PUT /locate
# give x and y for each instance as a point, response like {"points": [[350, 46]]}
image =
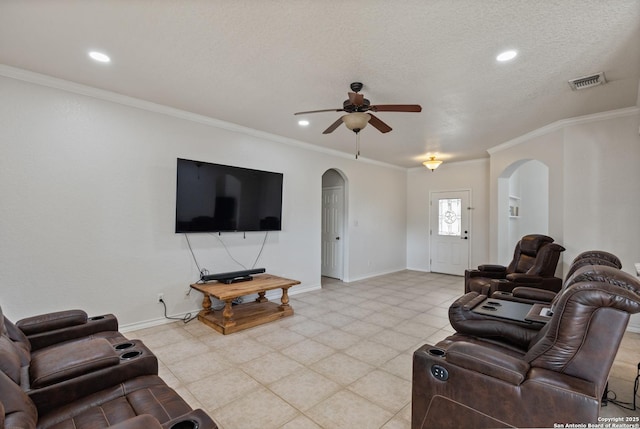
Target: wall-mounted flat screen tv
{"points": [[221, 198]]}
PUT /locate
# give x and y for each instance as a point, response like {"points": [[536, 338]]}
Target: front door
{"points": [[332, 229], [449, 232]]}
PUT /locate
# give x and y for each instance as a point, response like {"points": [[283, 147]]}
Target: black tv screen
{"points": [[222, 198]]}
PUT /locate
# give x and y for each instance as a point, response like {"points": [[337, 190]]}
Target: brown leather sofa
{"points": [[76, 380], [557, 378], [534, 263]]}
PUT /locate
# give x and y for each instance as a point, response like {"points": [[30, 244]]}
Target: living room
{"points": [[89, 177]]}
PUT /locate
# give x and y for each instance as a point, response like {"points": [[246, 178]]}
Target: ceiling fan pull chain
{"points": [[357, 145]]}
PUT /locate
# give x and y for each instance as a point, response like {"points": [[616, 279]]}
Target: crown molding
{"points": [[89, 91], [563, 123]]}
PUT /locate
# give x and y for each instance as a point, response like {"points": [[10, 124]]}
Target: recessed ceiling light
{"points": [[100, 57], [303, 122], [507, 56]]}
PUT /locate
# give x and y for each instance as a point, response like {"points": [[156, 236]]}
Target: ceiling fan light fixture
{"points": [[432, 163], [356, 121]]}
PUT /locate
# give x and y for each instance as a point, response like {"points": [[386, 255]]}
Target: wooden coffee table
{"points": [[243, 316]]}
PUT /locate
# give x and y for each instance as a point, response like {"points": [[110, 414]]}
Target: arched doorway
{"points": [[334, 224], [523, 204]]}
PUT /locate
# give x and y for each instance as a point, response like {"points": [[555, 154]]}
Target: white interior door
{"points": [[332, 230], [449, 231]]}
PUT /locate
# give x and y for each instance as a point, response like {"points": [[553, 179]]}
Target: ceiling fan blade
{"points": [[356, 99], [317, 111], [378, 124], [396, 108], [333, 126]]}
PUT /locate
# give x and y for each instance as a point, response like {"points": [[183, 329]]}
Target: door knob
{"points": [[337, 238]]}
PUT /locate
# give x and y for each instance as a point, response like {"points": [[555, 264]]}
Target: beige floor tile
{"points": [[383, 319], [371, 352], [310, 328], [304, 388], [397, 423], [362, 328], [337, 339], [394, 339], [386, 390], [271, 367], [401, 366], [301, 422], [245, 351], [178, 351], [155, 338], [416, 329], [218, 390], [198, 366], [259, 409], [280, 338], [308, 351], [342, 369], [346, 410]]}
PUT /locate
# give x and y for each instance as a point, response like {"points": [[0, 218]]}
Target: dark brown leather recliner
{"points": [[520, 333], [534, 295], [71, 369], [140, 403], [559, 378], [534, 264], [84, 381]]}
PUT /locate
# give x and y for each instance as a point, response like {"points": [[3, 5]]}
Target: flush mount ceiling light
{"points": [[303, 122], [507, 56], [100, 57], [432, 163]]}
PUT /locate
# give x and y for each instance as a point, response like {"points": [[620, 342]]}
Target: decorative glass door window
{"points": [[449, 216]]}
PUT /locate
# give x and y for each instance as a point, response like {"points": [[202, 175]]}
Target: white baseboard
{"points": [[375, 274]]}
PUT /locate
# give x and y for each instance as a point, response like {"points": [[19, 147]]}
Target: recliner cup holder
{"points": [[130, 355], [185, 424], [123, 346], [436, 352]]}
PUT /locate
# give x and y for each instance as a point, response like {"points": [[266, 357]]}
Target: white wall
{"points": [[594, 183], [546, 148], [473, 175], [87, 185]]}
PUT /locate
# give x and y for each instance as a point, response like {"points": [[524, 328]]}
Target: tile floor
{"points": [[342, 361]]}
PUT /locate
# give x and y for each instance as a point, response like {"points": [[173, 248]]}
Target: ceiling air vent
{"points": [[587, 81]]}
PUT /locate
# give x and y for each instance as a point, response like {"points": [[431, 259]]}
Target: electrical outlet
{"points": [[160, 297]]}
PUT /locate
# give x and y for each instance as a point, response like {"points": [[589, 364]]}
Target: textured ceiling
{"points": [[256, 62]]}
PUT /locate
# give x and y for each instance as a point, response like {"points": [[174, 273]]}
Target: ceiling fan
{"points": [[359, 111]]}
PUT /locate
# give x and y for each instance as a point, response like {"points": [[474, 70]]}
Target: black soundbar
{"points": [[232, 276]]}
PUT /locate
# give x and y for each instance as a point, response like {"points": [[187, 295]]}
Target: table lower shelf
{"points": [[245, 316]]}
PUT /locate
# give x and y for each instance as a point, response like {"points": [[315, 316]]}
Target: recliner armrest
{"points": [[485, 360], [51, 321], [535, 294], [492, 268], [92, 325], [522, 278]]}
